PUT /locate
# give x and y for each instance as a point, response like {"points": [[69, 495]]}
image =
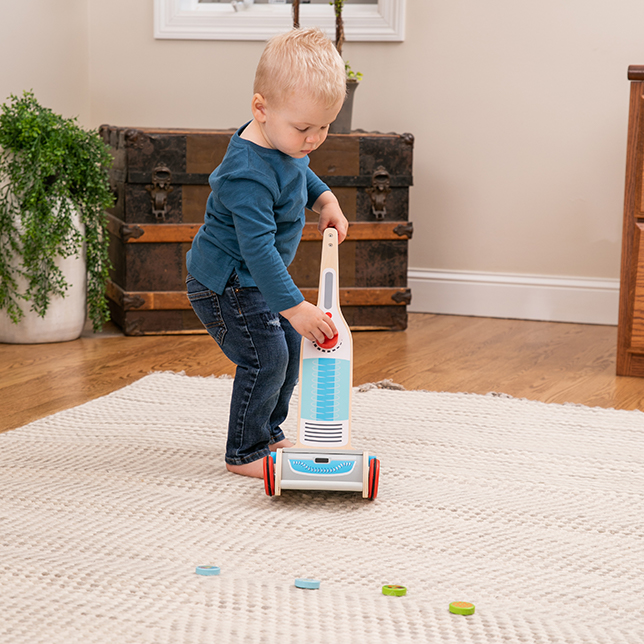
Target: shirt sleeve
{"points": [[251, 206], [315, 187]]}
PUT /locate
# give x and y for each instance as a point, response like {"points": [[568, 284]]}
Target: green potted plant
{"points": [[54, 188], [342, 124]]}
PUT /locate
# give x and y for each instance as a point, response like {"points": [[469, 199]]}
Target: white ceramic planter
{"points": [[65, 317], [342, 124]]}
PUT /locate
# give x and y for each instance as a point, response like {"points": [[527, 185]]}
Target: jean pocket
{"points": [[255, 309], [205, 303]]}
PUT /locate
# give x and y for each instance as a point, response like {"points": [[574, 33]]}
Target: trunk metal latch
{"points": [[159, 191], [380, 188]]}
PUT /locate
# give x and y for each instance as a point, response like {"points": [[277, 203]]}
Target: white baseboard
{"points": [[525, 297]]}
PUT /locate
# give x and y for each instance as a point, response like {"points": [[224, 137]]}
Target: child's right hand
{"points": [[310, 322]]}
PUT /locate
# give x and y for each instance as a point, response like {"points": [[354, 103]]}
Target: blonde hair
{"points": [[303, 61]]}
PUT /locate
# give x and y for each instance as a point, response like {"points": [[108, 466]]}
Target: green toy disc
{"points": [[207, 570], [395, 591], [461, 608]]}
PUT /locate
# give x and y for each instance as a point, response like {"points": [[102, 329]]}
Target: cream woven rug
{"points": [[533, 512]]}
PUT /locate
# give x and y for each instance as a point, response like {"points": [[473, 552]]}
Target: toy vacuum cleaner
{"points": [[323, 458]]}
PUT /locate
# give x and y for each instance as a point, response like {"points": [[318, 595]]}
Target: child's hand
{"points": [[310, 322], [331, 215]]}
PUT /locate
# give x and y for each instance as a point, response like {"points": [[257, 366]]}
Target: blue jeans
{"points": [[266, 349]]}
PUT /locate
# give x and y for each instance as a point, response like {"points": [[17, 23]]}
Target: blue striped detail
{"points": [[326, 388], [311, 467]]}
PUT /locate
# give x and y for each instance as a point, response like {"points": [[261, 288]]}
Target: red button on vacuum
{"points": [[329, 343]]}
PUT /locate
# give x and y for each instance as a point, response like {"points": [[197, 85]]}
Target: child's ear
{"points": [[258, 107]]}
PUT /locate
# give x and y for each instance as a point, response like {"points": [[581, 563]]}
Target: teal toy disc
{"points": [[311, 584], [208, 570]]}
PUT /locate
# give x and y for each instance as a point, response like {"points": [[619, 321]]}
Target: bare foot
{"points": [[281, 444], [256, 469]]}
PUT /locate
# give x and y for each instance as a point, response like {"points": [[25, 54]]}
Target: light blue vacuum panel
{"points": [[322, 469], [326, 389]]}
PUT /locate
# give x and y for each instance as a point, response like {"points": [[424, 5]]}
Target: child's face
{"points": [[295, 127]]}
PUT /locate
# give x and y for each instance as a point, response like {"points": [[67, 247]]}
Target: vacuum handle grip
{"points": [[328, 292]]}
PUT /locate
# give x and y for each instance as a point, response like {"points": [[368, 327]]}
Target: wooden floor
{"points": [[544, 361]]}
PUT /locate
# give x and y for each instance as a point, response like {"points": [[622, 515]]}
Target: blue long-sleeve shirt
{"points": [[254, 220]]}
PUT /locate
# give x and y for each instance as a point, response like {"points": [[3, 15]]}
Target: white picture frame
{"points": [[192, 20]]}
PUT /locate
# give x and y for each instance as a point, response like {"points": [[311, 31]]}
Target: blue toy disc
{"points": [[312, 584], [208, 570]]}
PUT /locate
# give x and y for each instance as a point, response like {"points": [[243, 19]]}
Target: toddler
{"points": [[238, 282]]}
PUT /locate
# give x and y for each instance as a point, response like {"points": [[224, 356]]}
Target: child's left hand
{"points": [[331, 215]]}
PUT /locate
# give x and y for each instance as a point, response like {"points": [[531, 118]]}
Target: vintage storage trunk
{"points": [[160, 178], [630, 328]]}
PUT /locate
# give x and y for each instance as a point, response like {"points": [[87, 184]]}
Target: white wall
{"points": [[44, 47], [519, 110]]}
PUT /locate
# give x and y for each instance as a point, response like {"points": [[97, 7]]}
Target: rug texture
{"points": [[533, 512]]}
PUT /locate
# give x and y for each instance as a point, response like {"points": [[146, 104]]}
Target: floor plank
{"points": [[545, 361]]}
